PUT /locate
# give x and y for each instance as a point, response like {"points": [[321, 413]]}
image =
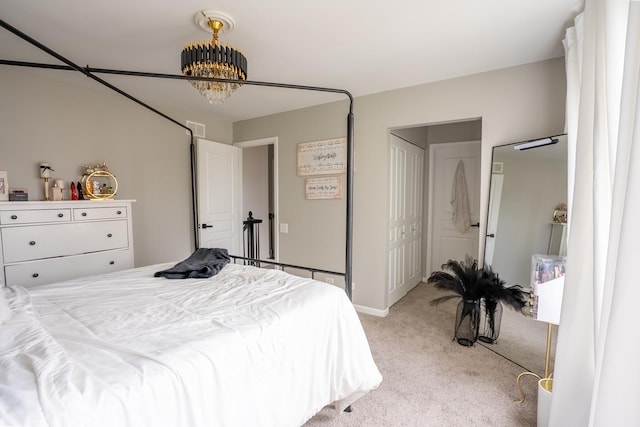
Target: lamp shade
{"points": [[45, 170]]}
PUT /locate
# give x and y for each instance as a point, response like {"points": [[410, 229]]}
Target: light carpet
{"points": [[431, 380]]}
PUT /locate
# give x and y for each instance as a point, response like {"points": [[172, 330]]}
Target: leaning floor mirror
{"points": [[526, 216]]}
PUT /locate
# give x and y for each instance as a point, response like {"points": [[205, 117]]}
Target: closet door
{"points": [[405, 217]]}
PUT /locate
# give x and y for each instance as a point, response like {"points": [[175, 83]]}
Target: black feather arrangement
{"points": [[466, 281]]}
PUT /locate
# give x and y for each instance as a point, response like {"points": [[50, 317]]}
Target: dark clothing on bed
{"points": [[203, 263]]}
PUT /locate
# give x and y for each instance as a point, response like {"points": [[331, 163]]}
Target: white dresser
{"points": [[45, 242]]}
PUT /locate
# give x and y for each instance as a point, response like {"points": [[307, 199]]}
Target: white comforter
{"points": [[248, 347]]}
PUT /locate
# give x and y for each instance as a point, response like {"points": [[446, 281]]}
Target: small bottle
{"points": [[74, 191], [80, 192]]}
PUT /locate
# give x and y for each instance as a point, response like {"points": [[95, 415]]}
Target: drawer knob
{"points": [[34, 275], [84, 214], [109, 235], [60, 215], [32, 243], [111, 262], [119, 212], [14, 216]]}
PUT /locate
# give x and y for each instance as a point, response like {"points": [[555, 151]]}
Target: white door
{"points": [[495, 196], [445, 241], [405, 218], [219, 185]]}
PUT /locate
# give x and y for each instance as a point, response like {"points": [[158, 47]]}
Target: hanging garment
{"points": [[460, 200]]}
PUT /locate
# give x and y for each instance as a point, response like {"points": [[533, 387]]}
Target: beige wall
{"points": [[415, 135], [455, 132], [316, 236], [514, 104], [69, 120]]}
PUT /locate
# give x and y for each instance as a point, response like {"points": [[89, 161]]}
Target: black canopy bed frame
{"points": [[91, 73]]}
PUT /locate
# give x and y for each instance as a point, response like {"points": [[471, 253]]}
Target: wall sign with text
{"points": [[323, 188], [322, 157]]}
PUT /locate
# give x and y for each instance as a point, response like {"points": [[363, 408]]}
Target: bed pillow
{"points": [[5, 310]]}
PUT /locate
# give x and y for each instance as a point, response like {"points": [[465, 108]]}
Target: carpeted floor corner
{"points": [[430, 380]]}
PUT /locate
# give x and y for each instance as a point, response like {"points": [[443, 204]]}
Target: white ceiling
{"points": [[362, 46]]}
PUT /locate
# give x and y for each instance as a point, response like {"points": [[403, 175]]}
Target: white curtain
{"points": [[596, 379]]}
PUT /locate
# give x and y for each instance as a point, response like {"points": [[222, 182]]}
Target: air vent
{"points": [[197, 128], [497, 167]]}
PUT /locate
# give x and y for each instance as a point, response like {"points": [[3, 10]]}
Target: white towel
{"points": [[460, 200]]}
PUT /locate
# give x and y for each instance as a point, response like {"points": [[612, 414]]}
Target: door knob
{"points": [[206, 226], [477, 224]]}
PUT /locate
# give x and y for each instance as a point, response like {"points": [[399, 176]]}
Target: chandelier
{"points": [[210, 59]]}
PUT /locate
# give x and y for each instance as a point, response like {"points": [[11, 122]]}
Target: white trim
{"points": [[371, 311], [430, 190], [257, 142], [272, 140]]}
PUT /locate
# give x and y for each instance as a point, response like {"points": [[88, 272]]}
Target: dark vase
{"points": [[467, 322], [490, 320]]}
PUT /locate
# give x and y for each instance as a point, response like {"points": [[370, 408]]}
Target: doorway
{"points": [[260, 194], [454, 173], [425, 137]]}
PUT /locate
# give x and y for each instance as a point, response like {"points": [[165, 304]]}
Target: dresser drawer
{"points": [[35, 273], [45, 241], [33, 216], [103, 212]]}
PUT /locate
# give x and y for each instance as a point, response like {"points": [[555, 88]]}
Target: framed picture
{"points": [[4, 186], [323, 188], [322, 157]]}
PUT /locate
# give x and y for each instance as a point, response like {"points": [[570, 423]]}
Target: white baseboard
{"points": [[371, 311]]}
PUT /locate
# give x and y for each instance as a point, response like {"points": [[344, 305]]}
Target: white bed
{"points": [[247, 347]]}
